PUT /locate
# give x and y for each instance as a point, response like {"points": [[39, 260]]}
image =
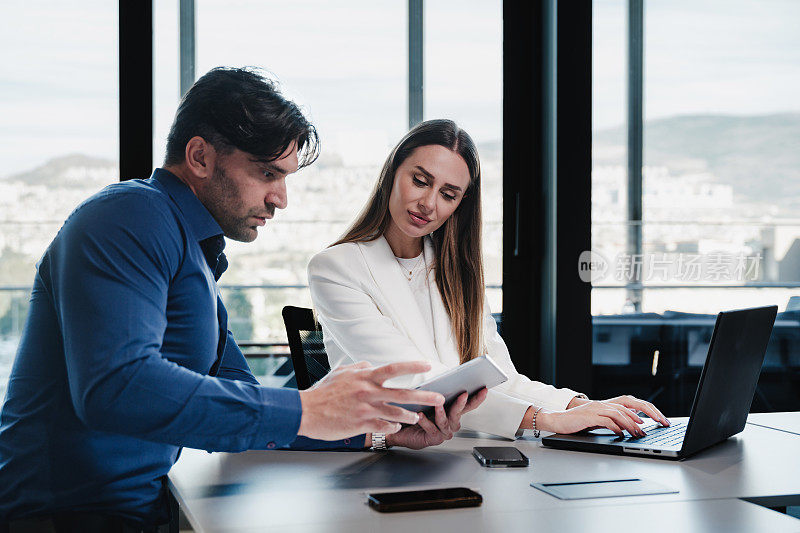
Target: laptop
{"points": [[721, 403]]}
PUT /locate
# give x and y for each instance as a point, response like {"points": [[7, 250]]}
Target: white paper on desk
{"points": [[578, 490]]}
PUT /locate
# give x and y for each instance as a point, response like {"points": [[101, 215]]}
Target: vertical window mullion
{"points": [[415, 65], [135, 89], [187, 44], [635, 129]]}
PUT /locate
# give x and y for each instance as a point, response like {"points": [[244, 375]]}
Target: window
{"points": [[463, 81], [347, 69], [719, 231], [58, 135]]}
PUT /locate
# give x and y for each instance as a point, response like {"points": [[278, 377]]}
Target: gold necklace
{"points": [[410, 274]]}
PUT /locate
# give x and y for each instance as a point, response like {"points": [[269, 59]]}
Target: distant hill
{"points": [[759, 156], [69, 171]]}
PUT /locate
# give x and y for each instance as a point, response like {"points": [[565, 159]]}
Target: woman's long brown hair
{"points": [[457, 243]]}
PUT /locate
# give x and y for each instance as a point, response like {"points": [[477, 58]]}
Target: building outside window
{"points": [[720, 190], [59, 135], [348, 68]]}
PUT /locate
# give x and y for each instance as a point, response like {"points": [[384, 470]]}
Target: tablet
{"points": [[469, 377]]}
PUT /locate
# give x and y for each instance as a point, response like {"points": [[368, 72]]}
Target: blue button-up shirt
{"points": [[126, 357]]}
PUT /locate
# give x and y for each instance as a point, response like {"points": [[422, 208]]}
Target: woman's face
{"points": [[428, 187]]}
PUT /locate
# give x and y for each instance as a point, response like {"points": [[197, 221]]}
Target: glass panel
{"points": [[464, 82], [347, 68], [356, 96], [59, 135], [166, 73], [722, 132]]}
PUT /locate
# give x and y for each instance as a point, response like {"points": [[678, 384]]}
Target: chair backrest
{"points": [[305, 344]]}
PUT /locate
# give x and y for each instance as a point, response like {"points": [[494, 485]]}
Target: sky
{"points": [[346, 62], [701, 56]]}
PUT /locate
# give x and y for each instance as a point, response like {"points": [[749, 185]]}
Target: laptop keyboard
{"points": [[662, 436]]}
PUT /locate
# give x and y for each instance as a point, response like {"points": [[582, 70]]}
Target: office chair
{"points": [[305, 344]]}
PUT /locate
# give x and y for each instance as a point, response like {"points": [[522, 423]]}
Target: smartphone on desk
{"points": [[499, 456], [420, 500]]}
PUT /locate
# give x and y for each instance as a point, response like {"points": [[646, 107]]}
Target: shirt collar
{"points": [[201, 223]]}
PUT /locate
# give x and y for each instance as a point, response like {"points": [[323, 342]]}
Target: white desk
{"points": [[324, 491], [789, 422]]}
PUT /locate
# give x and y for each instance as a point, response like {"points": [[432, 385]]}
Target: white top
{"points": [[419, 285], [368, 312]]}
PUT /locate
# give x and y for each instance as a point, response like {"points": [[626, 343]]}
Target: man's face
{"points": [[244, 191]]}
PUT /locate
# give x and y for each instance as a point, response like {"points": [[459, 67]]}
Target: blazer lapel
{"points": [[398, 302], [443, 332]]}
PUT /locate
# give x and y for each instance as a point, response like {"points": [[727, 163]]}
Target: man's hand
{"points": [[426, 433], [352, 400]]}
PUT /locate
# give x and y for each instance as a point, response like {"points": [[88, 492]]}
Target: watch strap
{"points": [[378, 442]]}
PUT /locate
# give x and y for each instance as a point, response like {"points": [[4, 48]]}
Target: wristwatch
{"points": [[378, 442]]}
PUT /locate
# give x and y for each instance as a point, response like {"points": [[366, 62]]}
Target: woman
{"points": [[406, 283]]}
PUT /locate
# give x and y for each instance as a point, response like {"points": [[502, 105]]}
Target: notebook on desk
{"points": [[721, 403]]}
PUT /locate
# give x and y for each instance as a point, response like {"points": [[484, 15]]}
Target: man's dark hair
{"points": [[241, 108]]}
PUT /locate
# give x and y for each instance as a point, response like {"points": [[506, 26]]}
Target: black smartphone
{"points": [[420, 500], [494, 456]]}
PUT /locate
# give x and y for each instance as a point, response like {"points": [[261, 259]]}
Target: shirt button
{"points": [[271, 445], [347, 441]]}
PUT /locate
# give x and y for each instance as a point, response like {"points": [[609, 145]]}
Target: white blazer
{"points": [[368, 313]]}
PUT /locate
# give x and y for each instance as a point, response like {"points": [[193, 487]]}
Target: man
{"points": [[126, 355]]}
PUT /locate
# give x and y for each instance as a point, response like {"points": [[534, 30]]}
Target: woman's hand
{"points": [[631, 402], [592, 415], [431, 433]]}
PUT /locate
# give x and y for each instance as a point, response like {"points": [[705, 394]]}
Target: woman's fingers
{"points": [[652, 411], [627, 412], [475, 400], [427, 425], [454, 416], [614, 416], [433, 436], [622, 421], [644, 406], [610, 424], [457, 407], [441, 421]]}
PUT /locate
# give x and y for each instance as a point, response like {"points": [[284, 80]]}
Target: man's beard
{"points": [[224, 202]]}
